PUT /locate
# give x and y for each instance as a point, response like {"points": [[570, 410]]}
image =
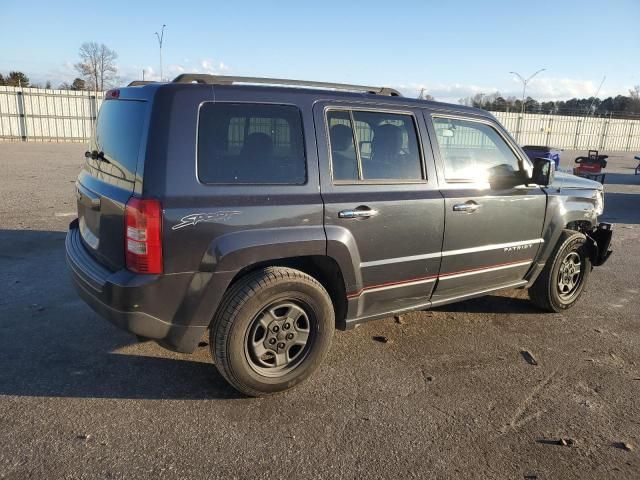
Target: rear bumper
{"points": [[141, 304]]}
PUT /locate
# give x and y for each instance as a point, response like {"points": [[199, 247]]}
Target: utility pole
{"points": [[160, 38], [524, 85], [595, 97]]}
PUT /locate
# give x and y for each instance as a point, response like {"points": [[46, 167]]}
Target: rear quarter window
{"points": [[250, 144]]}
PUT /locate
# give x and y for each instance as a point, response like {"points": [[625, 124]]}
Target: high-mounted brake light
{"points": [[143, 235], [112, 94]]}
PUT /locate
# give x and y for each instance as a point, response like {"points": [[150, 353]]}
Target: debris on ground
{"points": [[380, 338], [624, 446], [429, 378], [563, 442], [528, 357], [400, 319], [84, 436]]}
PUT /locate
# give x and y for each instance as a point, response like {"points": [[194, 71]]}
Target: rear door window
{"points": [[250, 144], [375, 146]]}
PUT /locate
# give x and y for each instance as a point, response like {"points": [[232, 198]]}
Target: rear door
{"points": [[381, 198], [493, 230], [108, 178]]}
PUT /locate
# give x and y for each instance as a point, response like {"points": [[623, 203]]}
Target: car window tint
{"points": [[385, 144], [250, 143], [118, 135], [388, 146], [473, 150], [344, 159]]}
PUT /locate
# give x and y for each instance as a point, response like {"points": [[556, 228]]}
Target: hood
{"points": [[563, 180]]}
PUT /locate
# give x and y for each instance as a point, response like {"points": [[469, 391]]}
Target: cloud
{"points": [[209, 66], [542, 89], [445, 92], [205, 65], [65, 72], [56, 74], [550, 88]]}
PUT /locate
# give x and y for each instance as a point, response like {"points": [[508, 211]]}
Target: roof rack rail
{"points": [[229, 80], [137, 83]]}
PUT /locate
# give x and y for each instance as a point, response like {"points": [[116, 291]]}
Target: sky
{"points": [[453, 49]]}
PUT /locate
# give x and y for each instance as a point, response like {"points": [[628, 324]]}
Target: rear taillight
{"points": [[143, 235]]}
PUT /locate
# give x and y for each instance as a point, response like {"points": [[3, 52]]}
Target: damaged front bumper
{"points": [[599, 240]]}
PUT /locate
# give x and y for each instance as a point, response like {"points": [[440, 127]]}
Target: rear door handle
{"points": [[358, 213], [468, 207]]}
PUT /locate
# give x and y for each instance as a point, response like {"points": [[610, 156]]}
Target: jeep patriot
{"points": [[270, 212]]}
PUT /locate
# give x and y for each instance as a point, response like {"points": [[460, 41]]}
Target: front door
{"points": [[382, 204], [493, 223]]}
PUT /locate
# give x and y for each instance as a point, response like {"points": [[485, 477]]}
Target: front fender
{"points": [[566, 207]]}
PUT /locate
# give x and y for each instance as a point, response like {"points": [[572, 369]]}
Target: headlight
{"points": [[599, 198]]}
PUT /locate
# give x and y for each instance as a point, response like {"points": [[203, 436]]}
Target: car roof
{"points": [[147, 90]]}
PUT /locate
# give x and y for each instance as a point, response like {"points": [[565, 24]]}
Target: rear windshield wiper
{"points": [[96, 155]]}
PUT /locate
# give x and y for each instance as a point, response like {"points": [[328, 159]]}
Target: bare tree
{"points": [[97, 65]]}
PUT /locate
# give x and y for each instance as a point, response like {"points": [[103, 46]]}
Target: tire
{"points": [[554, 293], [272, 305]]}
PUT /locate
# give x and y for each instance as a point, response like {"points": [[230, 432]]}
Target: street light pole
{"points": [[160, 38], [525, 81]]}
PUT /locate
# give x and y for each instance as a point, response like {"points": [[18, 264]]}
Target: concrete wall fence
{"points": [[42, 115]]}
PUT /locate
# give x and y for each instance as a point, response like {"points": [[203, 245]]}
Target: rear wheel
{"points": [[272, 330], [565, 275]]}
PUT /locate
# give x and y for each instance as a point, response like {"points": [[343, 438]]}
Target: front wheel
{"points": [[565, 275], [272, 330]]}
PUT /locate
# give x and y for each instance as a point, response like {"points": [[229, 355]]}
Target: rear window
{"points": [[250, 144], [118, 135]]}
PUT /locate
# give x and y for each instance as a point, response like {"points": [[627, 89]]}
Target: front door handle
{"points": [[468, 207], [360, 212]]}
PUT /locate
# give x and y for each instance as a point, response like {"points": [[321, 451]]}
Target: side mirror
{"points": [[503, 177], [543, 171]]}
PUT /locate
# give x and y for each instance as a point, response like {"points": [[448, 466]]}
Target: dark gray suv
{"points": [[269, 212]]}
